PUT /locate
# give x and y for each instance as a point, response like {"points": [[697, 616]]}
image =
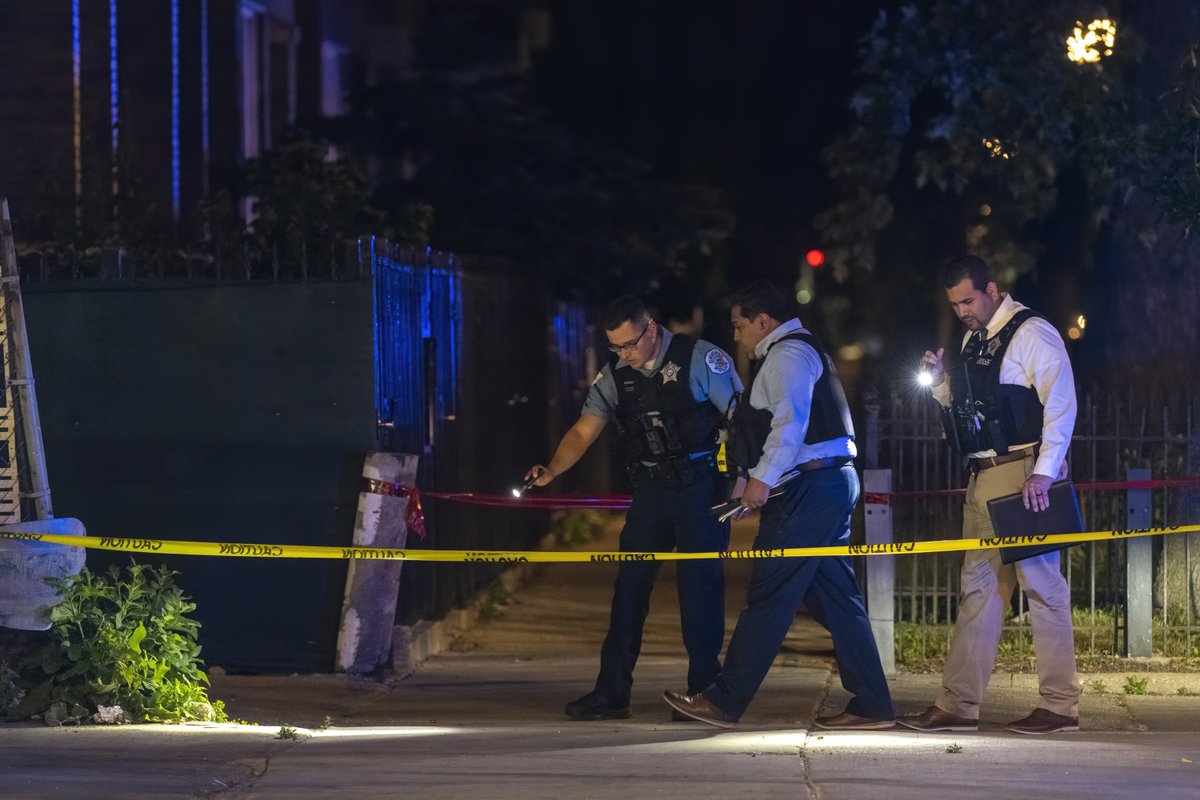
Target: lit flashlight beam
{"points": [[526, 486], [925, 378]]}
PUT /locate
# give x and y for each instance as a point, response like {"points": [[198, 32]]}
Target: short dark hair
{"points": [[761, 297], [624, 309], [967, 266]]}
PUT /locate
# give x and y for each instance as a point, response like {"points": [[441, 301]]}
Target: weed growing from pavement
{"points": [[1183, 691], [287, 732], [1135, 685], [954, 748], [326, 724]]}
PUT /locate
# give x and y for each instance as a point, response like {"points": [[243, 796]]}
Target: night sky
{"points": [[741, 95]]}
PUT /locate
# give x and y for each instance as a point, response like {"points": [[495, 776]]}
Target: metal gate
{"points": [[479, 374]]}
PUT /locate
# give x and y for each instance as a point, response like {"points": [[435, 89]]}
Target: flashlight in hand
{"points": [[527, 485], [925, 377]]}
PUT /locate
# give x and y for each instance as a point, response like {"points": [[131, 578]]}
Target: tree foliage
{"points": [[978, 100], [306, 202], [1169, 163]]}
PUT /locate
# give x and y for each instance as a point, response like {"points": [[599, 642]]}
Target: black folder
{"points": [[1011, 518]]}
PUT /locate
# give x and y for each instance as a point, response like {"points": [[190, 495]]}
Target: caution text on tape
{"points": [[250, 550]]}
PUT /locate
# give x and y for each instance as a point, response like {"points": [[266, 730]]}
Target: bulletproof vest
{"points": [[985, 414], [657, 417], [829, 416]]}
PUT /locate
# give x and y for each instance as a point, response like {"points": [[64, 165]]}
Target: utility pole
{"points": [[20, 377]]}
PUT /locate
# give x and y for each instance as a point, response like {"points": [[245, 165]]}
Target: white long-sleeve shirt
{"points": [[1036, 357], [784, 385]]}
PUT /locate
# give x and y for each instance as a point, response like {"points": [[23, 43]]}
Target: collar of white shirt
{"points": [[791, 326], [1004, 312]]}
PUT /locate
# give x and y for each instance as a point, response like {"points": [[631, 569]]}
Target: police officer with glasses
{"points": [[667, 396]]}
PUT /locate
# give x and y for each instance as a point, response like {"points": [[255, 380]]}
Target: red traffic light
{"points": [[815, 258]]}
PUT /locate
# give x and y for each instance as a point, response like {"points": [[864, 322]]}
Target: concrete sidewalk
{"points": [[485, 720]]}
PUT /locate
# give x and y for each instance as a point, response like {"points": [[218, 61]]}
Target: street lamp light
{"points": [[997, 150], [1088, 47]]}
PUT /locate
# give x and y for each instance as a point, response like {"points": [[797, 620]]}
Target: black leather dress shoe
{"points": [[593, 707], [699, 708]]}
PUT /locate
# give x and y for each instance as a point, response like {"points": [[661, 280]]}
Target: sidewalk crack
{"points": [[810, 783], [255, 769]]}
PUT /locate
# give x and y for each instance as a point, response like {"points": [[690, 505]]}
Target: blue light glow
{"points": [[418, 299], [175, 107], [204, 147], [114, 99], [77, 97]]}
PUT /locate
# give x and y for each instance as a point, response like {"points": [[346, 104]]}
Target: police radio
{"points": [[972, 426], [968, 425]]}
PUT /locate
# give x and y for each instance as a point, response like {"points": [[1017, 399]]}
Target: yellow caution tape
{"points": [[246, 550]]}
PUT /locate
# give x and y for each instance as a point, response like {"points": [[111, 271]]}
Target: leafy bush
{"points": [[122, 648], [577, 527], [920, 647]]}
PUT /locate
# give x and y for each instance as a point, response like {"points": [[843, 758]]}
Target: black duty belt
{"points": [[825, 463], [682, 470]]}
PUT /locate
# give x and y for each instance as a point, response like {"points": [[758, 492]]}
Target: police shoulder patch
{"points": [[718, 362]]}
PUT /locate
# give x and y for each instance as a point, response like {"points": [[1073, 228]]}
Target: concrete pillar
{"points": [[1139, 572], [881, 570], [369, 608]]}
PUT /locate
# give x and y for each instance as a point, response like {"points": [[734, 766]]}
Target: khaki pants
{"points": [[987, 587]]}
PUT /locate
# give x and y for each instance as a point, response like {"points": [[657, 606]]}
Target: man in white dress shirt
{"points": [[1010, 406], [793, 419]]}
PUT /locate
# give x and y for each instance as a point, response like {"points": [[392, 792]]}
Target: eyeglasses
{"points": [[628, 346]]}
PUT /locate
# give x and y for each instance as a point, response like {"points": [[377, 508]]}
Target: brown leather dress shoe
{"points": [[852, 722], [1043, 721], [934, 719], [698, 708]]}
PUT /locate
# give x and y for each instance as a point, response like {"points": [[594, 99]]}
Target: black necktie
{"points": [[974, 346]]}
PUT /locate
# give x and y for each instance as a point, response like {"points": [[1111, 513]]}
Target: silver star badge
{"points": [[670, 372]]}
